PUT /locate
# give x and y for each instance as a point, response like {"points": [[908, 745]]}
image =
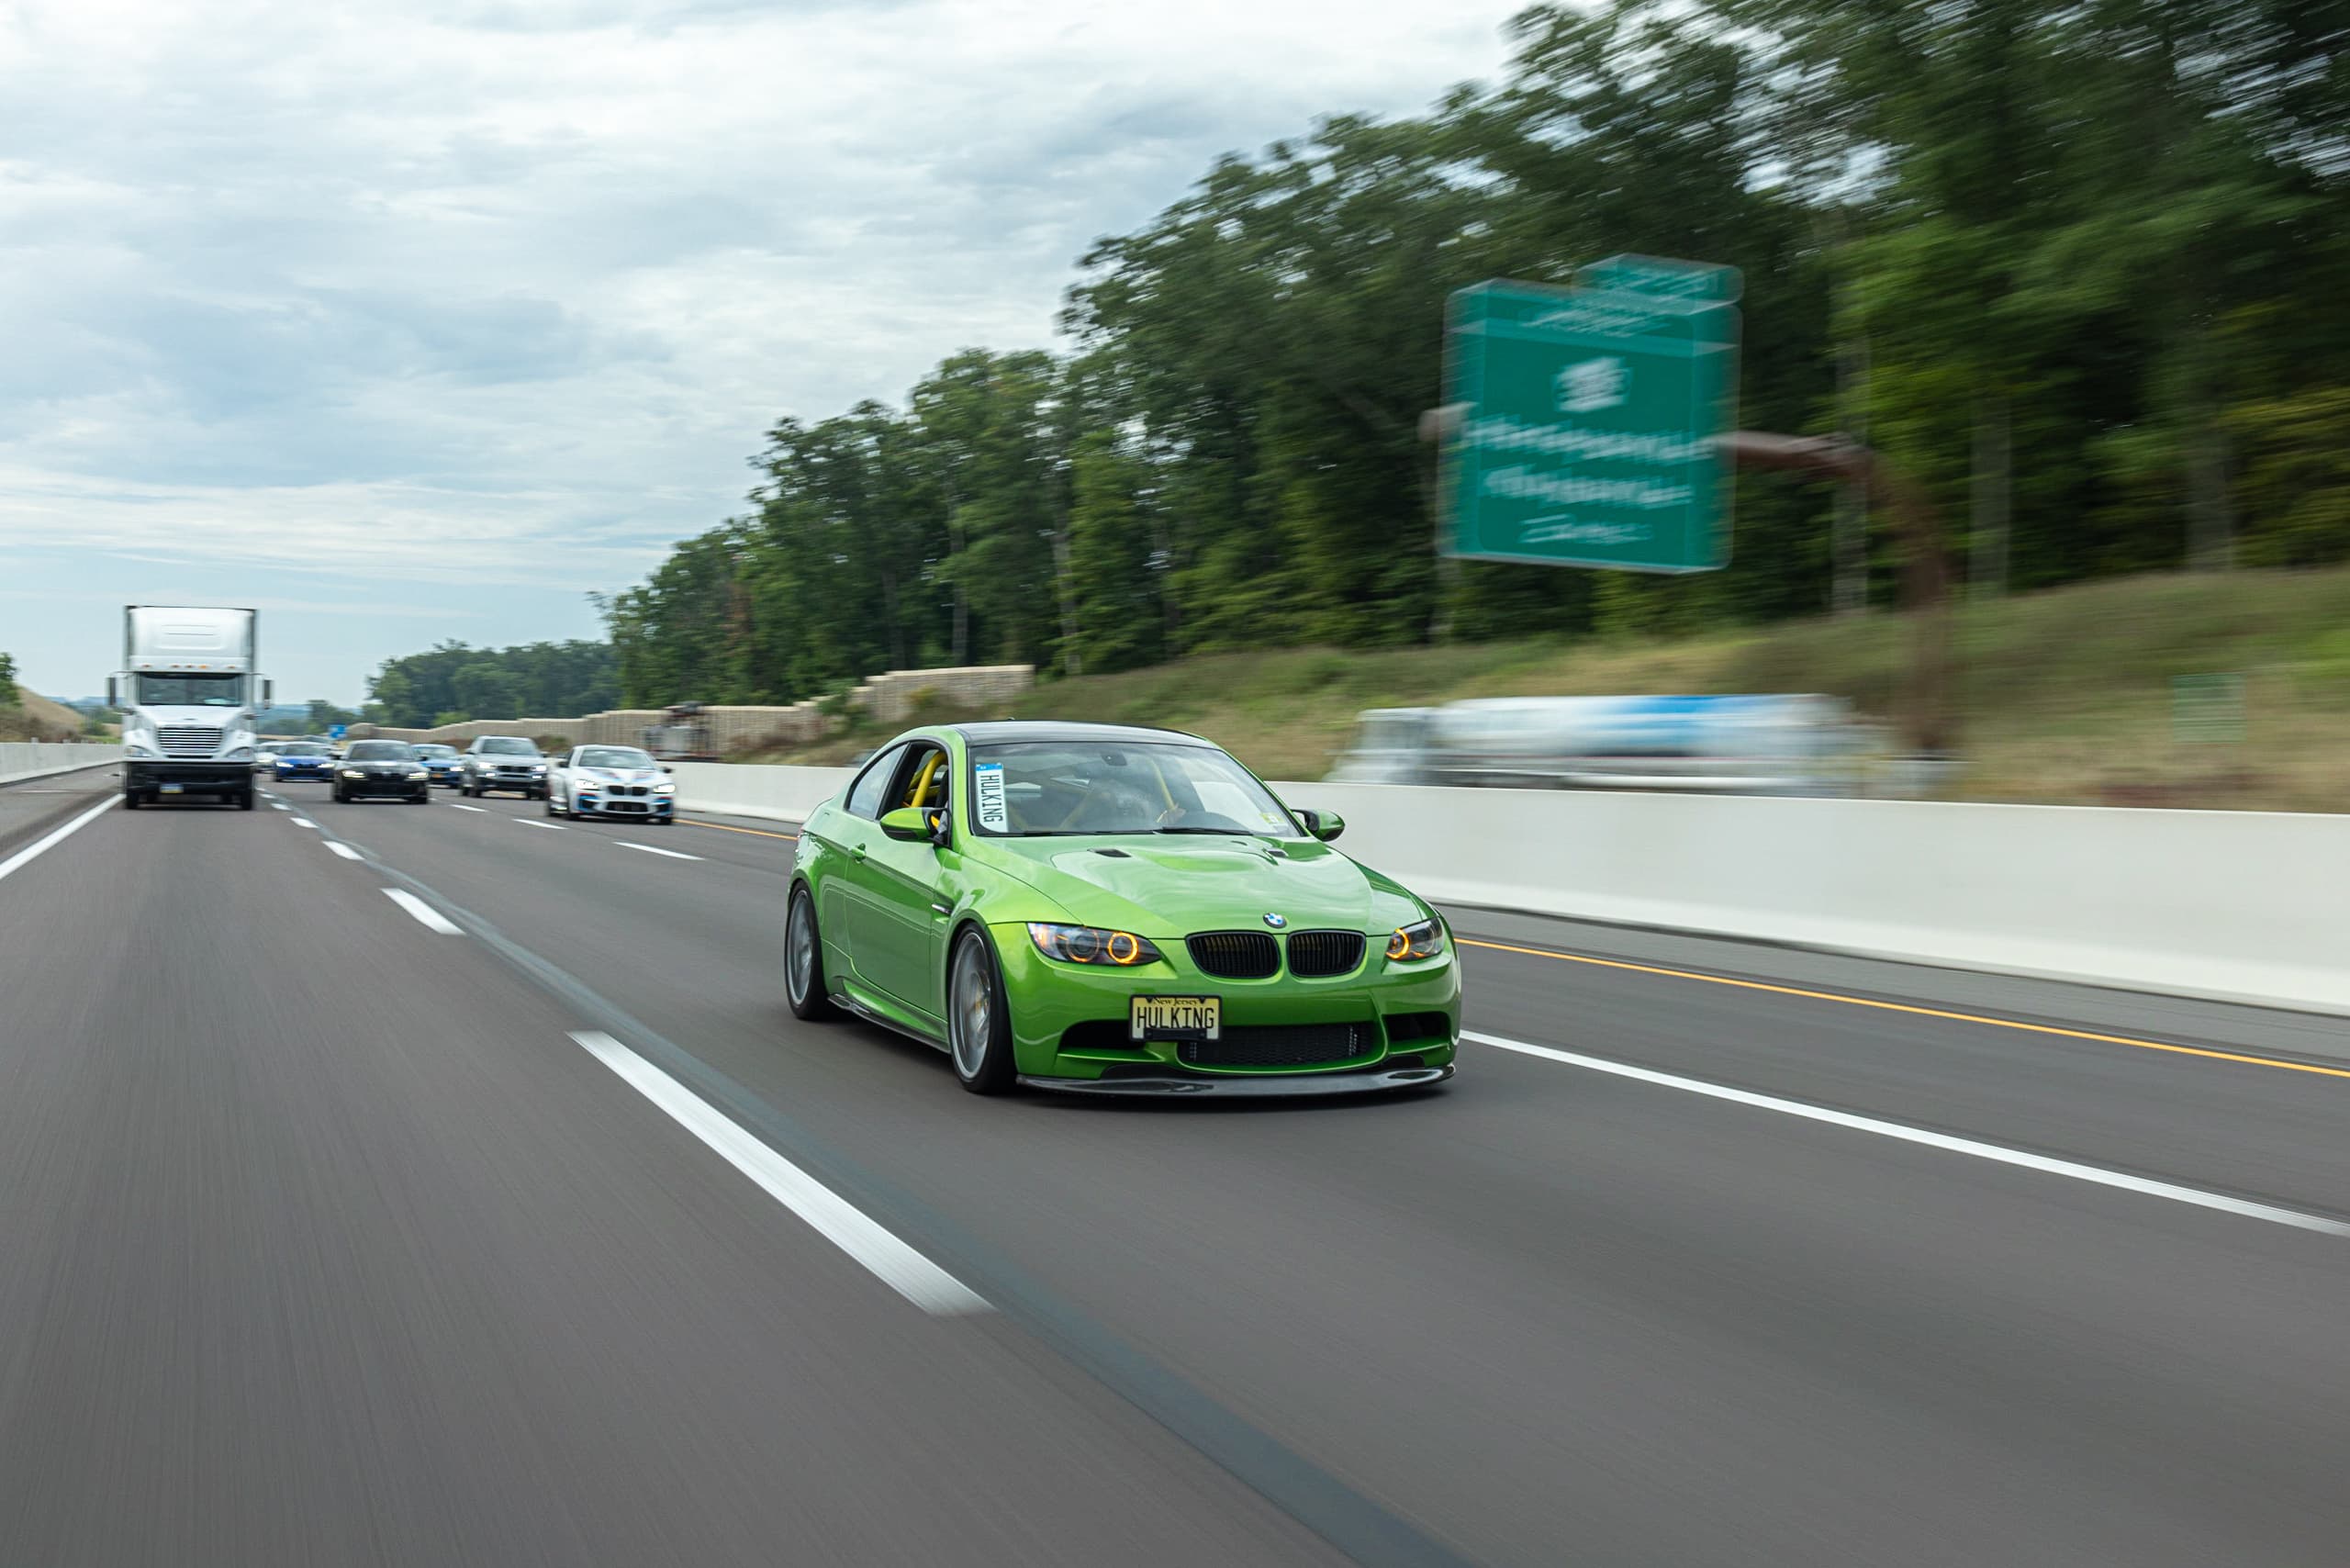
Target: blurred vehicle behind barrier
{"points": [[1793, 744]]}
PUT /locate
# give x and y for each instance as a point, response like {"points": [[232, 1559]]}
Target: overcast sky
{"points": [[410, 321]]}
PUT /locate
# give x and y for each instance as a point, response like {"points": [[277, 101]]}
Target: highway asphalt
{"points": [[515, 1220]]}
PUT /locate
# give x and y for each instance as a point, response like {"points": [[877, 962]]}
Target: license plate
{"points": [[1175, 1018], [170, 788]]}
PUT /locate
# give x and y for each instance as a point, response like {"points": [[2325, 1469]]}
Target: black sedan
{"points": [[382, 768]]}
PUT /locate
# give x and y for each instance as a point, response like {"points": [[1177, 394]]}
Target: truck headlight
{"points": [[243, 754], [137, 748]]}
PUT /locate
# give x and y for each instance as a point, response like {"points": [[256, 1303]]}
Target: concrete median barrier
{"points": [[20, 760], [2235, 905]]}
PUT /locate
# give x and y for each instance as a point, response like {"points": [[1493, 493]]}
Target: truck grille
{"points": [[1281, 1045], [1234, 955], [1315, 955], [188, 740]]}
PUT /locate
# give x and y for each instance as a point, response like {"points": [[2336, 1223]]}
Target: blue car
{"points": [[303, 761], [440, 762]]}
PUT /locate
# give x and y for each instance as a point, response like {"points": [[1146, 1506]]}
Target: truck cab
{"points": [[189, 696]]}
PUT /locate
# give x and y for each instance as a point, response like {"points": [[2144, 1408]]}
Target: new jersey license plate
{"points": [[1175, 1018], [170, 788]]}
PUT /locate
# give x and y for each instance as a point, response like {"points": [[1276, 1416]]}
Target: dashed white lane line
{"points": [[426, 915], [341, 848], [40, 846], [833, 1217], [1944, 1141], [305, 821], [456, 806], [279, 806], [648, 849], [525, 822]]}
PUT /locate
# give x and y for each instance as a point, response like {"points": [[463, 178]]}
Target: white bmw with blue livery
{"points": [[610, 782]]}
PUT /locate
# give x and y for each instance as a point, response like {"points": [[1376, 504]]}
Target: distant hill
{"points": [[44, 719]]}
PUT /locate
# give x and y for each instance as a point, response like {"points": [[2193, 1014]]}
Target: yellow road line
{"points": [[723, 827], [1913, 1010]]}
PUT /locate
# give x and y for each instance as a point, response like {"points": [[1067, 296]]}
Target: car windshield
{"points": [[191, 690], [436, 753], [621, 757], [380, 751], [508, 746], [301, 748], [1036, 789]]}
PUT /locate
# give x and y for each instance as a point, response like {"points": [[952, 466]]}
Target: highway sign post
{"points": [[1589, 419]]}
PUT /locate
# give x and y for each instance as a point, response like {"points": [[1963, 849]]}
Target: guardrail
{"points": [[2237, 905], [20, 760]]}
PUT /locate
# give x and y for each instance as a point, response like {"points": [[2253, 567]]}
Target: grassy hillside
{"points": [[36, 717], [2064, 696]]}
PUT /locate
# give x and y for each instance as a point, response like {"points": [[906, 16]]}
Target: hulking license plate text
{"points": [[1175, 1018]]}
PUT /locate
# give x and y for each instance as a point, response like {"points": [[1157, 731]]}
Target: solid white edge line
{"points": [[426, 915], [459, 806], [341, 849], [1991, 1151], [38, 847], [648, 849], [844, 1224]]}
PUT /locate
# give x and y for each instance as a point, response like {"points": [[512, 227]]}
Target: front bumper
{"points": [[394, 788], [286, 775], [648, 808], [147, 773], [1068, 1021], [513, 784], [1263, 1085]]}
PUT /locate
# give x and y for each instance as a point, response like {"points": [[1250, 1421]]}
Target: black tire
{"points": [[803, 978], [984, 1065], [334, 793], [132, 800], [550, 811], [245, 800]]}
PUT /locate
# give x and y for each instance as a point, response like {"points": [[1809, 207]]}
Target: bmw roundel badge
{"points": [[1275, 920]]}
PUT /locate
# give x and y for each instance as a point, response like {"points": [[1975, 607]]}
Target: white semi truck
{"points": [[189, 692]]}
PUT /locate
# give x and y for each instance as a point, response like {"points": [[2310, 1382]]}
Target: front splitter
{"points": [[1268, 1087]]}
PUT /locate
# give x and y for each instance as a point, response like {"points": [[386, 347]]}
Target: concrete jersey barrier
{"points": [[21, 760], [2242, 906]]}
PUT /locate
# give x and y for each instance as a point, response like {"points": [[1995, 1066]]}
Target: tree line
{"points": [[2078, 268], [453, 682]]}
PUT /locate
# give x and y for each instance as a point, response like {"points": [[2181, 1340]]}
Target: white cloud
{"points": [[501, 290]]}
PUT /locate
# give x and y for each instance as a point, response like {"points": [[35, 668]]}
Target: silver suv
{"points": [[503, 762]]}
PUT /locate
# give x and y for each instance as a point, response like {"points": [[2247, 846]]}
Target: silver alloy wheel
{"points": [[799, 957], [972, 1008]]}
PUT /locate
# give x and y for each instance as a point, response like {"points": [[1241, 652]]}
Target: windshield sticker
{"points": [[993, 817]]}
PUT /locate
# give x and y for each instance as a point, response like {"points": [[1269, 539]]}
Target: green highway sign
{"points": [[1698, 281], [1589, 425]]}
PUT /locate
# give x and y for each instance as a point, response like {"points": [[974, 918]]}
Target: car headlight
{"points": [[420, 773], [353, 773], [1090, 945], [1410, 944], [538, 768], [665, 789]]}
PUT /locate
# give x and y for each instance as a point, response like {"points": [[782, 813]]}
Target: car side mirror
{"points": [[113, 697], [909, 824], [1324, 826], [666, 768]]}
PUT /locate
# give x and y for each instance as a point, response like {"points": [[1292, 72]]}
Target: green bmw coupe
{"points": [[1112, 910]]}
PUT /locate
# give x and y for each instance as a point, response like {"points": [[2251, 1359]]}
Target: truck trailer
{"points": [[188, 691]]}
